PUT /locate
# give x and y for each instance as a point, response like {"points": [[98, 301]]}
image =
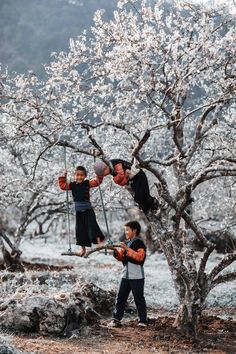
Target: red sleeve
{"points": [[119, 254], [120, 177], [95, 182], [62, 183], [138, 255]]}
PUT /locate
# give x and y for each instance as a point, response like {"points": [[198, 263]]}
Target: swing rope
{"points": [[67, 204], [110, 242]]}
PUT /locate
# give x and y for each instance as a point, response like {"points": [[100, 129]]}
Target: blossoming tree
{"points": [[156, 83]]}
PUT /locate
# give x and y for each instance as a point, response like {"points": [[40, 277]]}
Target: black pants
{"points": [[140, 187], [137, 288], [87, 229]]}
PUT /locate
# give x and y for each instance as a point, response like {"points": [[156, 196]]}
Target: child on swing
{"points": [[86, 228]]}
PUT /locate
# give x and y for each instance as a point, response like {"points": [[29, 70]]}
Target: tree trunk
{"points": [[187, 317], [177, 247], [11, 260]]}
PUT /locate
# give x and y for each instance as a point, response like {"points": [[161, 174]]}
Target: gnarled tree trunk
{"points": [[11, 260]]}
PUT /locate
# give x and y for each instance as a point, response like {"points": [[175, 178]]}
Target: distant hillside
{"points": [[32, 29]]}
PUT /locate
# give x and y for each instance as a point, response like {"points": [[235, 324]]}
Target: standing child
{"points": [[132, 254], [87, 229], [126, 174]]}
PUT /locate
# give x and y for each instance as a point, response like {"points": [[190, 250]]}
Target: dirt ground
{"points": [[215, 336]]}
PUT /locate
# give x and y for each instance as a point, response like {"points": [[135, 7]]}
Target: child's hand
{"points": [[99, 179], [124, 246], [127, 173]]}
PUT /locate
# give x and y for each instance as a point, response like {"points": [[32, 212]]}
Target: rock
{"points": [[61, 297], [43, 278], [102, 300], [73, 322], [37, 304], [3, 305], [5, 348]]}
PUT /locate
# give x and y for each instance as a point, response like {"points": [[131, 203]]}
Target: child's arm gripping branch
{"points": [[121, 177], [95, 182], [138, 255], [62, 183], [118, 254]]}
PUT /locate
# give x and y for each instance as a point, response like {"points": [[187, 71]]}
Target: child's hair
{"points": [[81, 168], [134, 225]]}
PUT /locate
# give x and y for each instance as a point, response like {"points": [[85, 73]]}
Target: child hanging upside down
{"points": [[87, 229], [127, 174]]}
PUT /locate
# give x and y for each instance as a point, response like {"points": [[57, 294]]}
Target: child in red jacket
{"points": [[126, 174], [87, 229], [132, 254]]}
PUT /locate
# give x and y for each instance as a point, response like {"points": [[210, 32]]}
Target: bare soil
{"points": [[215, 336]]}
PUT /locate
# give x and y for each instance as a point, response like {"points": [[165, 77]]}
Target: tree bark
{"points": [[11, 260], [176, 245], [187, 317]]}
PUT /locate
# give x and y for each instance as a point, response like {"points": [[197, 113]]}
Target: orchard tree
{"points": [[156, 83], [27, 205]]}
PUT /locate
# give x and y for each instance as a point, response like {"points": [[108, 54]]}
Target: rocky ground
{"points": [[104, 271], [63, 304], [216, 336]]}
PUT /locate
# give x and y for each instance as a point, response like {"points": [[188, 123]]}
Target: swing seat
{"points": [[70, 253]]}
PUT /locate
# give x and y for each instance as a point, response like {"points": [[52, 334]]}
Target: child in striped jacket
{"points": [[87, 229], [132, 254]]}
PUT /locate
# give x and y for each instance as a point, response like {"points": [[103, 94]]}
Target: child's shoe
{"points": [[142, 324]]}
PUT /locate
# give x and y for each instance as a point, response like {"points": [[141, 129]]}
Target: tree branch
{"points": [[198, 135], [87, 254], [223, 279], [140, 144], [8, 241], [225, 262], [202, 266]]}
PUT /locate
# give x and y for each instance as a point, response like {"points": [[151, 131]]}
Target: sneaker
{"points": [[142, 324], [114, 324]]}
